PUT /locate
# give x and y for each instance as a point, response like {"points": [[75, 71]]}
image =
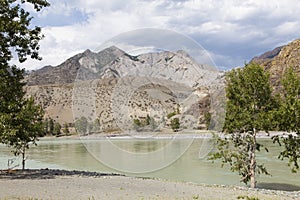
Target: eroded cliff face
{"points": [[279, 60], [115, 88]]}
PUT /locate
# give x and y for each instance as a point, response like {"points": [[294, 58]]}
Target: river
{"points": [[181, 159]]}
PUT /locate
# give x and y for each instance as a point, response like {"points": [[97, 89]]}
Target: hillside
{"points": [[67, 71], [114, 88], [279, 60]]}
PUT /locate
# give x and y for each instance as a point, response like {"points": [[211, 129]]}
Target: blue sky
{"points": [[232, 31]]}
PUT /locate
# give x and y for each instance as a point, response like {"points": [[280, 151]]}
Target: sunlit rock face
{"points": [[94, 85], [279, 60]]}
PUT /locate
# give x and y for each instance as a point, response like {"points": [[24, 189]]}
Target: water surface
{"points": [[191, 166]]}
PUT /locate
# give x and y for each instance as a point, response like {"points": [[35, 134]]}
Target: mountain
{"points": [[115, 63], [267, 56], [67, 71], [117, 88], [279, 60]]}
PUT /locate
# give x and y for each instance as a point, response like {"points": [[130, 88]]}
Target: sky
{"points": [[231, 31]]}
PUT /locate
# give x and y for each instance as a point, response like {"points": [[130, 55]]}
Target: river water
{"points": [[174, 159]]}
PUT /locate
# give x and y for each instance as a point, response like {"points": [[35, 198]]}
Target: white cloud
{"points": [[232, 30], [287, 28]]}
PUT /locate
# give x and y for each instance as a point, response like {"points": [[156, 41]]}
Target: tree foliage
{"points": [[81, 125], [171, 114], [22, 127], [96, 128], [207, 119], [57, 129], [248, 111], [20, 118], [288, 119], [66, 129], [15, 30], [175, 124], [51, 126], [250, 100]]}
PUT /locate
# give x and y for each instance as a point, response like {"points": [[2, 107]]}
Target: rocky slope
{"points": [[280, 59], [113, 88], [67, 71]]}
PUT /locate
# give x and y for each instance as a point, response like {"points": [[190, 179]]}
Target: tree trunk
{"points": [[23, 158], [253, 161]]}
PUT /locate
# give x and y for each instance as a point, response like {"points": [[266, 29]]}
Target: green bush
{"points": [[175, 124], [171, 114]]}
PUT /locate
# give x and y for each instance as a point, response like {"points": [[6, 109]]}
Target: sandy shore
{"points": [[57, 184]]}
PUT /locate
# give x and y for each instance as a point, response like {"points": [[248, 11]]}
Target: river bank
{"points": [[62, 184], [154, 135]]}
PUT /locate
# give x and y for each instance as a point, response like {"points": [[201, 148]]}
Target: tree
{"points": [[81, 125], [16, 33], [57, 128], [96, 126], [137, 124], [249, 109], [288, 118], [207, 119], [24, 128], [66, 129], [16, 37], [147, 120], [175, 124], [51, 126], [19, 118]]}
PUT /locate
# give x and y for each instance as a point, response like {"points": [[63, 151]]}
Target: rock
{"points": [[116, 87], [279, 60]]}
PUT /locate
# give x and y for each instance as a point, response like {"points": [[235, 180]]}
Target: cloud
{"points": [[233, 31], [151, 39], [288, 28]]}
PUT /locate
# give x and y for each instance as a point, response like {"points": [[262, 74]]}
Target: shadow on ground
{"points": [[47, 174], [278, 186]]}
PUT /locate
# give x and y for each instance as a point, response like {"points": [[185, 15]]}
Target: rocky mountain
{"points": [[68, 70], [113, 89], [115, 63], [280, 59], [267, 56]]}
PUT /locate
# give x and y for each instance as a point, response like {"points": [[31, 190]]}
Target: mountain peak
{"points": [[267, 55], [112, 49], [87, 52], [113, 62]]}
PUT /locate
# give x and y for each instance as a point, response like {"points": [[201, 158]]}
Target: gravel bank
{"points": [[61, 184]]}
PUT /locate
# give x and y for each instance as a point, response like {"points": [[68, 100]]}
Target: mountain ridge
{"points": [[66, 91], [66, 72], [115, 63], [280, 59]]}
